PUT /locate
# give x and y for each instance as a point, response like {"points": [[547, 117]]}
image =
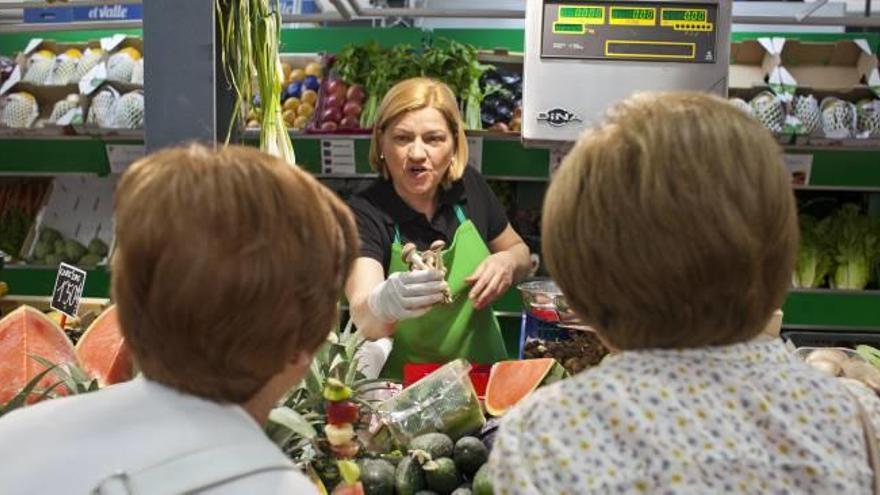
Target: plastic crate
{"points": [[816, 338], [479, 375], [532, 328]]}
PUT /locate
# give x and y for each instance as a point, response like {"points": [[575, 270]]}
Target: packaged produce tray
{"points": [[80, 208]]}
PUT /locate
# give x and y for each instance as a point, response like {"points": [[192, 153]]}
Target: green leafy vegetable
{"points": [[813, 261], [855, 248]]}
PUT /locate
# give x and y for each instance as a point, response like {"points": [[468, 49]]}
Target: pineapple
{"points": [[303, 425], [868, 118], [769, 110], [838, 118], [806, 110], [20, 110]]}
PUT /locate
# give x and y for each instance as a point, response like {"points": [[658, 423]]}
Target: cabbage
{"points": [[813, 261], [855, 242]]}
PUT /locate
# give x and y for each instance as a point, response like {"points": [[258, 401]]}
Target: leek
{"points": [[250, 32]]}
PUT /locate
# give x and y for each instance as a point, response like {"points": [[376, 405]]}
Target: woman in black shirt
{"points": [[427, 193]]}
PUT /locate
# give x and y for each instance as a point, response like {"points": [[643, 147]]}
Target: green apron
{"points": [[448, 331]]}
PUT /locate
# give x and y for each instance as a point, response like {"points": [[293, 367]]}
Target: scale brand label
{"points": [[68, 290], [558, 117]]}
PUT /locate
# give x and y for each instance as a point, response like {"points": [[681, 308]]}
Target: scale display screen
{"points": [[644, 31]]}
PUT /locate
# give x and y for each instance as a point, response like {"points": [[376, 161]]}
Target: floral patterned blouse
{"points": [[747, 418]]}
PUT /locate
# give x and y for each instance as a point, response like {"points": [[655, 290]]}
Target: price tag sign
{"points": [[337, 156], [68, 290], [800, 168], [123, 155]]}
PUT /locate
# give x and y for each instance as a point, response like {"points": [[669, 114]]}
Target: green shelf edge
{"points": [[81, 155], [39, 281], [332, 39], [502, 157], [15, 42], [821, 308], [858, 310]]}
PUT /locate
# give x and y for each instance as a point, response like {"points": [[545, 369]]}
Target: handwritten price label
{"points": [[69, 283]]}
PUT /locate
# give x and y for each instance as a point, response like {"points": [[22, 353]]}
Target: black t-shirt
{"points": [[379, 207]]}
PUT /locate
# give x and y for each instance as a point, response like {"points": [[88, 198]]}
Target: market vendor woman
{"points": [[427, 193]]}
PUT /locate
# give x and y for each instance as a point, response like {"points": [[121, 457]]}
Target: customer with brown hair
{"points": [[226, 275], [672, 230]]}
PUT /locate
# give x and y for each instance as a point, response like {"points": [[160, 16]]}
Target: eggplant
{"points": [[493, 101], [512, 81], [503, 112], [487, 119]]}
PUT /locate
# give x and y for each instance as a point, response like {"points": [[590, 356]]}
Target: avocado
{"points": [[482, 484], [442, 476], [470, 454], [436, 444], [409, 477], [377, 477]]}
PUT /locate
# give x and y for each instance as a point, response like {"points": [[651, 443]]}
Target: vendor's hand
{"points": [[491, 279], [406, 295]]}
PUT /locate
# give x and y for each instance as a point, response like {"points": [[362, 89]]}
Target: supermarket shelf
{"points": [[504, 158], [56, 155], [39, 281], [832, 309], [821, 308]]}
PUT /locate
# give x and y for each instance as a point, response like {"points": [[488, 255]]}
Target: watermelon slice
{"points": [[102, 350], [512, 381], [24, 333]]}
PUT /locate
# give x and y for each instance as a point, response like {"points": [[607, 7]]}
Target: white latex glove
{"points": [[406, 295], [372, 355]]}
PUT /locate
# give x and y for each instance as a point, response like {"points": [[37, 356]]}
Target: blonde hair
{"points": [[673, 224], [415, 94], [227, 264]]}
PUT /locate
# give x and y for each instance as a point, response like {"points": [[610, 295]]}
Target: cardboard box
{"points": [[85, 128], [753, 62], [47, 97], [55, 47], [846, 68]]}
